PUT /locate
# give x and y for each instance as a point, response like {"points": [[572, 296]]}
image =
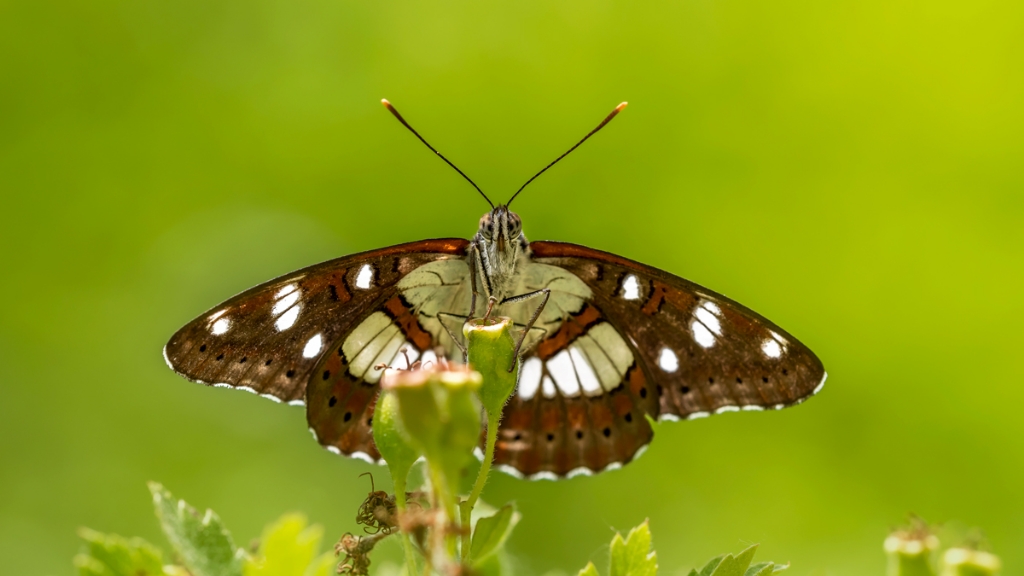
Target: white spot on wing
{"points": [[287, 320], [548, 387], [771, 348], [365, 277], [313, 347], [399, 362], [429, 357], [220, 326], [545, 475], [286, 302], [561, 369], [668, 361], [362, 456], [630, 288], [585, 372], [702, 335], [696, 415], [708, 319], [285, 290], [334, 449], [820, 384], [581, 471], [529, 378], [510, 471]]}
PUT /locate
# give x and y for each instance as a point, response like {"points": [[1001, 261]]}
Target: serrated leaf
{"points": [[711, 565], [633, 556], [589, 570], [112, 555], [491, 532], [735, 565], [201, 541], [287, 547], [760, 569]]}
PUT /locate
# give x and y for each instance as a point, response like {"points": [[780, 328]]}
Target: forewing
{"points": [[268, 339], [702, 352]]}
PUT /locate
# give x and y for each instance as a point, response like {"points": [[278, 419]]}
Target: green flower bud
{"points": [[964, 562], [910, 552], [439, 413], [389, 438], [491, 347]]}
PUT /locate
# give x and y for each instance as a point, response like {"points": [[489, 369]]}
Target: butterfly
{"points": [[606, 343]]}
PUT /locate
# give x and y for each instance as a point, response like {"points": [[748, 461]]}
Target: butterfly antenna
{"points": [[589, 134], [411, 129]]}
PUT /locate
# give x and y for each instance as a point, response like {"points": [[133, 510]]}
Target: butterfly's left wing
{"points": [[269, 339], [645, 343]]}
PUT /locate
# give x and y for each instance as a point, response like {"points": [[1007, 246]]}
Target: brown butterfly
{"points": [[606, 342]]}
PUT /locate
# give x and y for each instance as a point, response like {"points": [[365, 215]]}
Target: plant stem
{"points": [[446, 498], [410, 559], [481, 479]]}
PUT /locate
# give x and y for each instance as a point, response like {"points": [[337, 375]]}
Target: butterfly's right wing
{"points": [[268, 339]]}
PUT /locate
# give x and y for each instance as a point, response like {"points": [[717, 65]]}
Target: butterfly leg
{"points": [[462, 347], [543, 293], [478, 270]]}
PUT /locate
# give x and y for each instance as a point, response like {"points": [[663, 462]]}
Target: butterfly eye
{"points": [[485, 226]]}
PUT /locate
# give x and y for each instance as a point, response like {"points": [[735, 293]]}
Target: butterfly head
{"points": [[501, 228], [501, 235]]}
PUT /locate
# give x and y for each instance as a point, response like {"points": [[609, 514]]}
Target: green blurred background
{"points": [[850, 169]]}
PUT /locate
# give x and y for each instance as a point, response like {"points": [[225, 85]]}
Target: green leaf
{"points": [[738, 565], [590, 570], [633, 556], [287, 548], [735, 565], [202, 542], [711, 565], [761, 569], [491, 532], [322, 566], [112, 555]]}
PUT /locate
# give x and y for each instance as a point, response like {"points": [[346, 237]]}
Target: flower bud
{"points": [[439, 414], [490, 348], [399, 454], [965, 562], [910, 552]]}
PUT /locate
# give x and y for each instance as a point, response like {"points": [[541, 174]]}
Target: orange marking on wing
{"points": [[550, 418], [519, 418], [602, 416], [409, 324], [571, 329], [636, 380], [577, 415], [657, 296], [623, 405]]}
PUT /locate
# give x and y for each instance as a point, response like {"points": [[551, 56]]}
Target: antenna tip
{"points": [[385, 102], [621, 106]]}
